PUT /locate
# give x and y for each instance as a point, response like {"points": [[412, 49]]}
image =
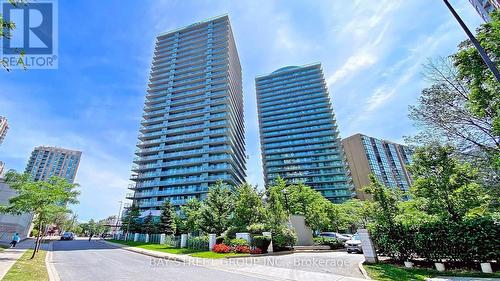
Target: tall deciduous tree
{"points": [[217, 209], [189, 219], [248, 207], [275, 211], [44, 199], [386, 202], [446, 187], [167, 224]]}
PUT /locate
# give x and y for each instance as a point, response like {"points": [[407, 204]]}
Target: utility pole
{"points": [[118, 216], [474, 41]]}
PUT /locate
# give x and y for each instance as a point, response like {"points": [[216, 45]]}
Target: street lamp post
{"points": [[474, 41], [118, 216]]}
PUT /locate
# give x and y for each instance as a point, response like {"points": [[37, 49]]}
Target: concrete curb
{"points": [[153, 254], [363, 270], [51, 270]]}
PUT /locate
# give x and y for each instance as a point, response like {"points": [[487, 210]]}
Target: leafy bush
{"points": [[328, 241], [261, 242], [257, 228], [221, 248], [283, 238], [198, 243], [242, 249], [238, 242], [231, 232], [470, 240]]}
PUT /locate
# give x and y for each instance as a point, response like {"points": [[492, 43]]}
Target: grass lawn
{"points": [[3, 247], [213, 255], [158, 247], [384, 271], [26, 269], [178, 251]]}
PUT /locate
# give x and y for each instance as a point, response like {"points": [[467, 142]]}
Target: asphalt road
{"points": [[82, 260]]}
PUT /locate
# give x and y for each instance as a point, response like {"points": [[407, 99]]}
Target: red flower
{"points": [[242, 249], [221, 248]]}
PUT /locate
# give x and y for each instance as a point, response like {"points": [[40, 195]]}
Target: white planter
{"points": [[408, 264], [486, 267], [439, 266]]}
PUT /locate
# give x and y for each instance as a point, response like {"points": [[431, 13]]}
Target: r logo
{"points": [[34, 28]]}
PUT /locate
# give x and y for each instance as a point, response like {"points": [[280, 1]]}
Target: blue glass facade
{"points": [[46, 162], [387, 161], [298, 132], [192, 131]]}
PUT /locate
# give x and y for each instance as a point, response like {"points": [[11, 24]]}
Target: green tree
{"points": [[484, 98], [248, 207], [217, 209], [167, 224], [149, 224], [189, 219], [43, 199], [131, 221], [386, 202], [446, 187], [276, 214]]}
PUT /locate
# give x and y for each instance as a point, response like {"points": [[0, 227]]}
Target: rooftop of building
{"points": [[193, 24], [288, 68], [56, 148]]}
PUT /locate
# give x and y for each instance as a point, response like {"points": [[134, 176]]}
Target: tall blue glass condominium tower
{"points": [[192, 131], [298, 132]]}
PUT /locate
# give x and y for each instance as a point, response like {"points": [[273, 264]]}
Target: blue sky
{"points": [[372, 54]]}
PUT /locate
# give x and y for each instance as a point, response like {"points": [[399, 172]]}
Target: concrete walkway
{"points": [[9, 256], [249, 266]]}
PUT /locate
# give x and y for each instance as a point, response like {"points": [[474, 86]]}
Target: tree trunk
{"points": [[37, 241]]}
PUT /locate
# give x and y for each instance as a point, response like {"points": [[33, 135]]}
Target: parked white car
{"points": [[354, 245]]}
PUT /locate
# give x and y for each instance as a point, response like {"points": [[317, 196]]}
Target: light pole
{"points": [[474, 41], [118, 216]]}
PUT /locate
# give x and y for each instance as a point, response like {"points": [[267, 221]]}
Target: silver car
{"points": [[354, 245]]}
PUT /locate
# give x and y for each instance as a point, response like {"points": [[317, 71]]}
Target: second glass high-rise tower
{"points": [[298, 132], [192, 131]]}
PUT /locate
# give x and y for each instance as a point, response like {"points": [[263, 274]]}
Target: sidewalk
{"points": [[245, 266], [11, 255]]}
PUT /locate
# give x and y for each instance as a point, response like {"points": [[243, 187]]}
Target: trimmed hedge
{"points": [[470, 240], [332, 242], [238, 242]]}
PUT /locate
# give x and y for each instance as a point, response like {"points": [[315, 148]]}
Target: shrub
{"points": [[242, 249], [257, 228], [328, 241], [470, 240], [256, 251], [199, 243], [221, 248], [261, 242], [238, 242], [283, 238], [231, 232]]}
